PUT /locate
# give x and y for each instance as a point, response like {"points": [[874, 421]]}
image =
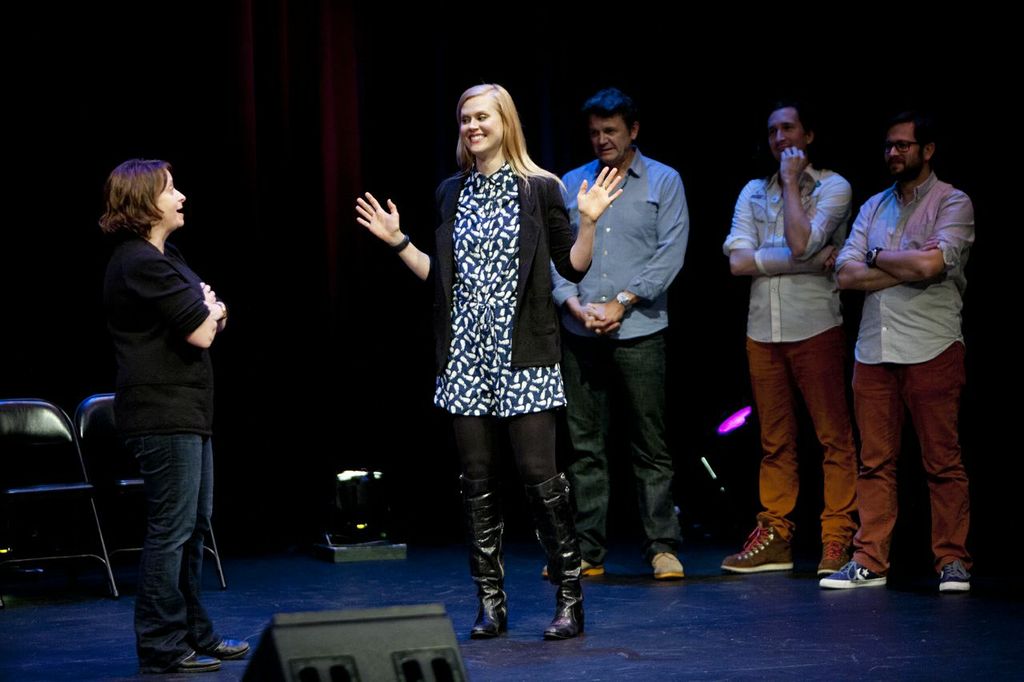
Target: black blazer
{"points": [[544, 237]]}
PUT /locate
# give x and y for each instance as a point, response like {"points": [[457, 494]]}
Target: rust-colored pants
{"points": [[931, 391], [814, 367]]}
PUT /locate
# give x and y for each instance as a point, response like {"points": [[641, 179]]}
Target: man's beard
{"points": [[909, 172]]}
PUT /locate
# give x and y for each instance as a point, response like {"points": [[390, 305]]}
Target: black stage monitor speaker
{"points": [[409, 643]]}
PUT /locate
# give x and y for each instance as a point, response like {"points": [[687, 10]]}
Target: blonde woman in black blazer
{"points": [[503, 224]]}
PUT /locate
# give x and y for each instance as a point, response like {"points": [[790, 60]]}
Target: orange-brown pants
{"points": [[813, 367]]}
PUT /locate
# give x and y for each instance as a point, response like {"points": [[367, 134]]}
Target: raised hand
{"points": [[792, 163], [592, 201], [383, 224]]}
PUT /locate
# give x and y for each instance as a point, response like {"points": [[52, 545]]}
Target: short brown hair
{"points": [[131, 192]]}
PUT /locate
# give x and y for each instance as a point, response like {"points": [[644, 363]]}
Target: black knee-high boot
{"points": [[483, 520], [552, 512]]}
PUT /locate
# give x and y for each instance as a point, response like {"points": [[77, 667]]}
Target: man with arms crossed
{"points": [[907, 250]]}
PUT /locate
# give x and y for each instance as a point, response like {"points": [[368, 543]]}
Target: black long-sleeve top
{"points": [[154, 301]]}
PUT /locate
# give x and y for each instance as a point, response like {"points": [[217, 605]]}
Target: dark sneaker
{"points": [[765, 550], [587, 570], [852, 575], [834, 555], [954, 577], [194, 663], [227, 649]]}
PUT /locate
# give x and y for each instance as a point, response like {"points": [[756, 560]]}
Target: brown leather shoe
{"points": [[666, 566], [834, 555], [765, 550]]}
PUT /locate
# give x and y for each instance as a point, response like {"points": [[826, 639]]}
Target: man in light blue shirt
{"points": [[614, 343]]}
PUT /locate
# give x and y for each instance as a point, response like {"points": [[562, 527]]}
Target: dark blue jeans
{"points": [[169, 620], [630, 374]]}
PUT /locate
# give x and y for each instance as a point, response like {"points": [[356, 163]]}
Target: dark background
{"points": [[276, 114]]}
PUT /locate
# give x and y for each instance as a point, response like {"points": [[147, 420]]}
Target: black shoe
{"points": [[194, 663], [228, 650]]}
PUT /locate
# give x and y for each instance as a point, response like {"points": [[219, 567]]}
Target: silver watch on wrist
{"points": [[624, 300]]}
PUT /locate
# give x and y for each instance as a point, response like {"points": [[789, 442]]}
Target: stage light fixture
{"points": [[357, 527]]}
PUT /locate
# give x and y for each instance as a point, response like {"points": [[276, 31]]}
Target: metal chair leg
{"points": [[212, 549], [103, 545]]}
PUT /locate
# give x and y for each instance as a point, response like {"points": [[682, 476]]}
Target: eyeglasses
{"points": [[902, 146]]}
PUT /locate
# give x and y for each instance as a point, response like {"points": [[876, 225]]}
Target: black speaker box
{"points": [[410, 643]]}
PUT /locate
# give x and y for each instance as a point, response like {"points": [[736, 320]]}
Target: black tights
{"points": [[533, 445]]}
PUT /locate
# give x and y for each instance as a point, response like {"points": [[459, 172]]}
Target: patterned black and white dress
{"points": [[478, 378]]}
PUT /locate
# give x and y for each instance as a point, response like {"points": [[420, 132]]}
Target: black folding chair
{"points": [[41, 465], [116, 472]]}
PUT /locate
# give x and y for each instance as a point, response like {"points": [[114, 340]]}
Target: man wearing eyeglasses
{"points": [[785, 234], [907, 251]]}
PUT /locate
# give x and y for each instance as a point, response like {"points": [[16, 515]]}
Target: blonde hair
{"points": [[513, 143]]}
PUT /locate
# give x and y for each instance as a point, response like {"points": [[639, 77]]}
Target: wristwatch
{"points": [[623, 299], [871, 256]]}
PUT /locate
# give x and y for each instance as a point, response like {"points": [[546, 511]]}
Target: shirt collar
{"points": [[637, 167], [918, 191], [498, 177]]}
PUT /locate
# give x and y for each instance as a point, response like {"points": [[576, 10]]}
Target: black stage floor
{"points": [[709, 626]]}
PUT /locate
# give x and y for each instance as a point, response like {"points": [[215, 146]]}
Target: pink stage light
{"points": [[734, 421]]}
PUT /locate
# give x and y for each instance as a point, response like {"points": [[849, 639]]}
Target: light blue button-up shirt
{"points": [[791, 306], [639, 246]]}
